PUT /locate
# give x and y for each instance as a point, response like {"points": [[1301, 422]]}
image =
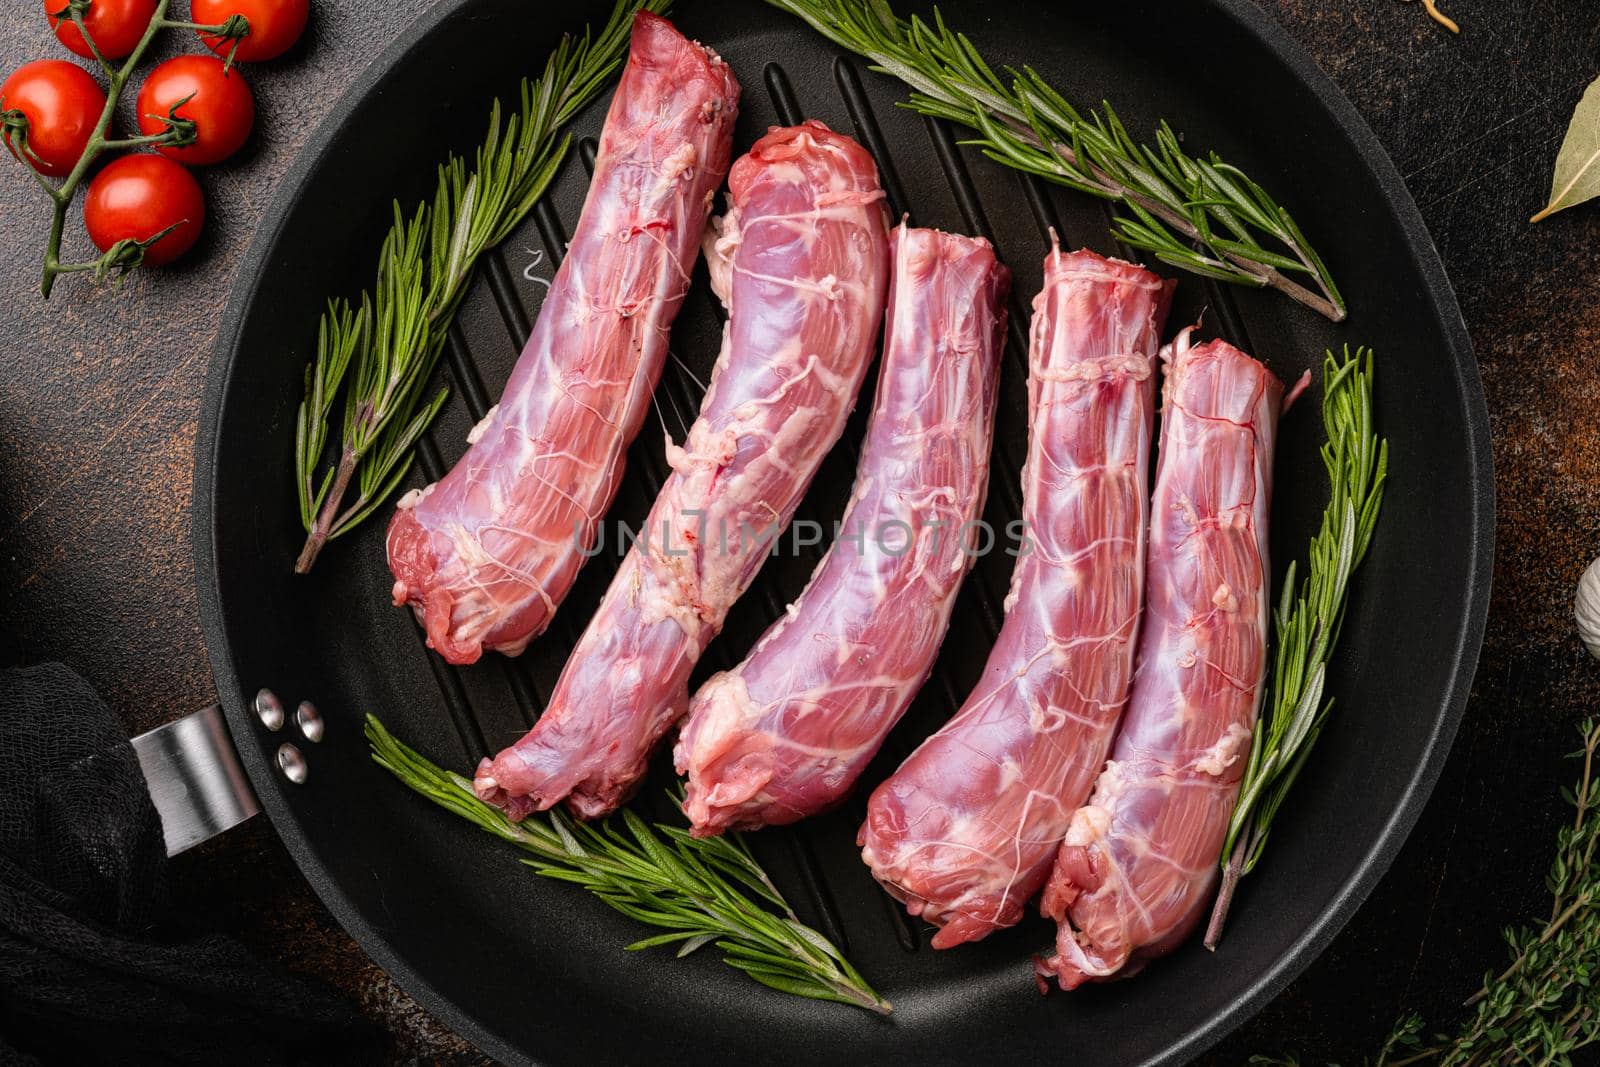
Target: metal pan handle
{"points": [[195, 779]]}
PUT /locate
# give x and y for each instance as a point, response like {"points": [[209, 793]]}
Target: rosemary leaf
{"points": [[426, 262], [1024, 123], [340, 333], [1308, 618], [699, 890]]}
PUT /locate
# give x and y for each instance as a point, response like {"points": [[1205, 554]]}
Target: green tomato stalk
{"points": [[126, 254]]}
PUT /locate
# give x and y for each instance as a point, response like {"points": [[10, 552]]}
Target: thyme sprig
{"points": [[1309, 617], [1200, 214], [1545, 1006], [394, 336], [701, 891]]}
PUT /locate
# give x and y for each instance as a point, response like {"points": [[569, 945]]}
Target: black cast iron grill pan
{"points": [[534, 971]]}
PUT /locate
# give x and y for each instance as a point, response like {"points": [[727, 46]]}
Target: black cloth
{"points": [[93, 968]]}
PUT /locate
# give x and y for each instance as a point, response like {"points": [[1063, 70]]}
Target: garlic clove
{"points": [[1586, 608]]}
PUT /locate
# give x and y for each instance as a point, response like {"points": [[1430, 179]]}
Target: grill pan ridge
{"points": [[455, 917]]}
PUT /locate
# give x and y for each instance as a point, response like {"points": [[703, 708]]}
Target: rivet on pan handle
{"points": [[195, 779]]}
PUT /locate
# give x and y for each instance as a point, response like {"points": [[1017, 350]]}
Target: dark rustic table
{"points": [[100, 397]]}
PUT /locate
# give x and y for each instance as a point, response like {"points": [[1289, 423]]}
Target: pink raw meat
{"points": [[785, 733], [486, 554], [964, 831], [801, 261], [1138, 864]]}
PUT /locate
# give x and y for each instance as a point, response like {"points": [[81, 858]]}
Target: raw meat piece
{"points": [[785, 733], [486, 554], [801, 261], [1136, 870], [964, 831]]}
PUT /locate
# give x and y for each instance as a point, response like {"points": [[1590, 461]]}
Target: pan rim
{"points": [[1310, 942]]}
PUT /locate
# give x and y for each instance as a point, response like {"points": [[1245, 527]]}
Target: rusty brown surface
{"points": [[100, 394]]}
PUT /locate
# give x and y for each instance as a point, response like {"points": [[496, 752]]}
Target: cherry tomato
{"points": [[115, 25], [62, 103], [275, 25], [137, 197], [219, 104]]}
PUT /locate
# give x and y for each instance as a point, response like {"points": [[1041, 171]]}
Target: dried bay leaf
{"points": [[1577, 175]]}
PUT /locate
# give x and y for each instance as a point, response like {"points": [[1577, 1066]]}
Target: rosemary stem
{"points": [[1230, 882], [1023, 123], [349, 460], [862, 999], [349, 513], [1264, 274], [1275, 279], [1268, 276]]}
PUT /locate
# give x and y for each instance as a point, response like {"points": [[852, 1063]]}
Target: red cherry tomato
{"points": [[61, 103], [218, 102], [115, 25], [136, 197], [275, 25]]}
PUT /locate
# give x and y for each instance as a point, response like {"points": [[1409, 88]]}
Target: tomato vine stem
{"points": [[124, 256]]}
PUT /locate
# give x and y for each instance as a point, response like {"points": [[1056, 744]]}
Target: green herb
{"points": [[1309, 617], [1544, 1007], [395, 336], [1199, 214], [702, 891], [128, 253], [1577, 176]]}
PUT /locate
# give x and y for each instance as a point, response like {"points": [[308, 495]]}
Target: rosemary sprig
{"points": [[701, 891], [1199, 214], [1545, 1006], [396, 335], [1309, 617]]}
